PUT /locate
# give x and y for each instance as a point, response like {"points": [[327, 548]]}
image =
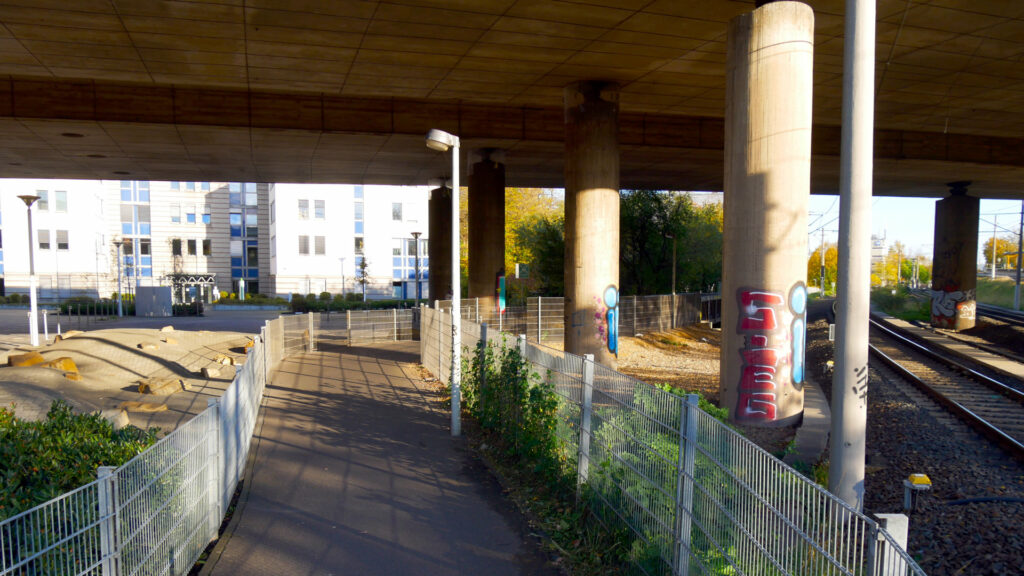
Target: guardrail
{"points": [[156, 513], [696, 497]]}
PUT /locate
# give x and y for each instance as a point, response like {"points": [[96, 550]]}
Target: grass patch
{"points": [[903, 304], [998, 292]]}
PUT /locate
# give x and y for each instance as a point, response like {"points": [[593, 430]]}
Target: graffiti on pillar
{"points": [[606, 318], [773, 349], [952, 303], [798, 330]]}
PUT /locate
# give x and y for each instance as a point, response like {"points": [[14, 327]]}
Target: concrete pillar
{"points": [[592, 220], [955, 259], [767, 186], [439, 249], [486, 226]]}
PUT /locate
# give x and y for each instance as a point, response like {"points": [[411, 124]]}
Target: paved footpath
{"points": [[355, 472]]}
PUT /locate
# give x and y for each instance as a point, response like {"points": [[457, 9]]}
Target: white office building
{"points": [[321, 235], [206, 238]]}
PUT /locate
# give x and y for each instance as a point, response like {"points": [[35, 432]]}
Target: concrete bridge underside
{"points": [[343, 91]]}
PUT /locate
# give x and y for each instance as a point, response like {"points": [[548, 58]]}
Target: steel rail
{"points": [[1015, 448], [988, 381], [1001, 314]]}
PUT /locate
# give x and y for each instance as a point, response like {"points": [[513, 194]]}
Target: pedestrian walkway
{"points": [[355, 472]]}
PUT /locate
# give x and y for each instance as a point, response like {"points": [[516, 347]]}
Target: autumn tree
{"points": [[1006, 252], [831, 268]]}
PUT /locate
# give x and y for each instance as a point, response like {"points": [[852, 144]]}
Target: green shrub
{"points": [[14, 299], [44, 459]]}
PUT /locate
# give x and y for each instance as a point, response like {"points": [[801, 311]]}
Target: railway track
{"points": [[1002, 314], [985, 403]]}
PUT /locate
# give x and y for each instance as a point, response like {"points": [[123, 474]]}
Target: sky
{"points": [[910, 221]]}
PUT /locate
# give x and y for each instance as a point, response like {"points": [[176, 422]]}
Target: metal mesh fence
{"points": [[366, 326], [155, 514], [696, 497]]}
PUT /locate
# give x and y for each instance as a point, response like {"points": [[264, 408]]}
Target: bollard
{"points": [[46, 328]]}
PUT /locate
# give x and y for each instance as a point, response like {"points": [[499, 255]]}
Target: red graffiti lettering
{"points": [[757, 406], [759, 318], [759, 369]]}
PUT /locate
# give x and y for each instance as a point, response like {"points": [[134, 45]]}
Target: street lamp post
{"points": [[33, 324], [416, 253], [117, 249], [672, 237], [442, 141]]}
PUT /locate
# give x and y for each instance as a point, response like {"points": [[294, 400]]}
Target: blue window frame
{"points": [[235, 261], [254, 273], [359, 227], [236, 272]]}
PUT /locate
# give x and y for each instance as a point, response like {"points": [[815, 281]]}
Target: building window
{"points": [[44, 200], [251, 225], [303, 209], [127, 219], [205, 186], [175, 186], [190, 215], [44, 239], [250, 194], [191, 247], [303, 244], [144, 248], [252, 255], [142, 213], [396, 211], [176, 213], [176, 247], [357, 192], [319, 209], [62, 239], [60, 198], [273, 246], [359, 245], [320, 245], [273, 211], [207, 247], [190, 185], [206, 214]]}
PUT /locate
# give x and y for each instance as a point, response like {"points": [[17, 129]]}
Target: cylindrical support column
{"points": [[440, 247], [954, 260], [486, 226], [767, 187], [850, 380], [592, 220]]}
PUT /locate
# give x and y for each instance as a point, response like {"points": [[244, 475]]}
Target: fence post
{"points": [[311, 345], [394, 323], [634, 316], [540, 310], [871, 554], [108, 517], [480, 355], [583, 467], [521, 339], [477, 299], [684, 482], [46, 328], [213, 456], [348, 324]]}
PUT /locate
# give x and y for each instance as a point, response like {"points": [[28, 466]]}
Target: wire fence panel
{"points": [[155, 514], [367, 326], [61, 537], [697, 497]]}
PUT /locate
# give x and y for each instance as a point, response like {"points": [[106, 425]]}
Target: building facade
{"points": [[208, 238]]}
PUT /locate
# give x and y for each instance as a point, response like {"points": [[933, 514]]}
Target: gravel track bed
{"points": [[908, 433]]}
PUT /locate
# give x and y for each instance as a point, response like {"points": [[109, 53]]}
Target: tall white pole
{"points": [[849, 385], [822, 271], [1020, 245], [120, 309], [456, 300], [33, 285], [995, 219]]}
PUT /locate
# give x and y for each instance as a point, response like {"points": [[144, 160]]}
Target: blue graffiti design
{"points": [[611, 301], [798, 304]]}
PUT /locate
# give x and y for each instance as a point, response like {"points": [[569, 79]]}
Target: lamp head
{"points": [[416, 234], [28, 199], [440, 140]]}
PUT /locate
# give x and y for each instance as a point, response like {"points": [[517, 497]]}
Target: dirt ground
{"points": [[112, 365], [689, 358]]}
